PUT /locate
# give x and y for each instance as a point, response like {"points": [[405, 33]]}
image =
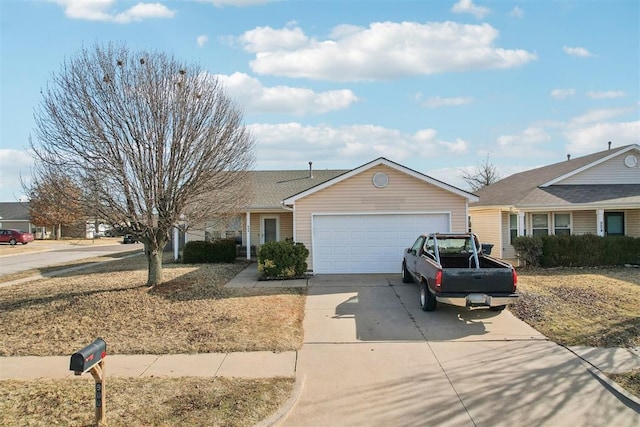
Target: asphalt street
{"points": [[59, 254]]}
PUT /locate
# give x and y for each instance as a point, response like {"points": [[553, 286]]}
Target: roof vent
{"points": [[609, 145], [310, 170], [568, 157]]}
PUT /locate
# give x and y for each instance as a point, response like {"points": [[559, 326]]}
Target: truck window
{"points": [[429, 248]]}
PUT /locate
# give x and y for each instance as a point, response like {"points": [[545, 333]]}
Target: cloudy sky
{"points": [[435, 85]]}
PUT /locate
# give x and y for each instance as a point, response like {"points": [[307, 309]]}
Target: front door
{"points": [[269, 229], [614, 223]]}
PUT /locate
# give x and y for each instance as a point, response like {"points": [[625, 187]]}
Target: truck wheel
{"points": [[427, 299], [406, 276], [12, 242], [498, 308]]}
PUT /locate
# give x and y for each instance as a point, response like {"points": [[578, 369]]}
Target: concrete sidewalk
{"points": [[259, 364]]}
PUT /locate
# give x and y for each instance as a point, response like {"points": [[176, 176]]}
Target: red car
{"points": [[15, 236]]}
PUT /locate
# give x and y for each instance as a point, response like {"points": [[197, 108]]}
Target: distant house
{"points": [[16, 215], [352, 221], [598, 194]]}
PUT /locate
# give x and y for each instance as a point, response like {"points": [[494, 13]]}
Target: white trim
{"points": [[262, 218], [247, 242], [382, 161], [553, 220], [590, 165]]}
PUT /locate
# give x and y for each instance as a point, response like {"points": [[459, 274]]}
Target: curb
{"points": [[623, 395], [283, 412], [614, 388]]}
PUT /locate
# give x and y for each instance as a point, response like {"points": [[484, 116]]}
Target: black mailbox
{"points": [[89, 356]]}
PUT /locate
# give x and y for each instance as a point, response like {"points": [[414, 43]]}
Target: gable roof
{"points": [[535, 186], [380, 161], [15, 211]]}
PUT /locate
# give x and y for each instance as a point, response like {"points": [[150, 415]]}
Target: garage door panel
{"points": [[368, 243]]}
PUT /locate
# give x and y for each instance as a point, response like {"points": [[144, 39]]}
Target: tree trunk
{"points": [[154, 258], [58, 232]]}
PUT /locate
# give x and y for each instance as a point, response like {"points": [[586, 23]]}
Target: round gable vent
{"points": [[380, 179], [631, 161]]}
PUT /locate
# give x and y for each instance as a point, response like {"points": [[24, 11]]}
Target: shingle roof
{"points": [[15, 211], [523, 188], [272, 187]]}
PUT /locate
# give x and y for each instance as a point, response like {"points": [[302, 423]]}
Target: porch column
{"points": [[176, 243], [247, 234], [600, 222], [521, 230]]}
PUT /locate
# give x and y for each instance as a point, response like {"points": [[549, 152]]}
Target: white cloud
{"points": [[255, 98], [103, 10], [527, 138], [384, 50], [562, 93], [201, 40], [262, 40], [595, 137], [467, 6], [351, 144], [516, 12], [14, 164], [598, 115], [606, 94], [437, 101], [577, 51]]}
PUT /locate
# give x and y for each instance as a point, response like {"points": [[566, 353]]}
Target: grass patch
{"points": [[628, 380], [593, 307], [191, 312], [149, 401]]}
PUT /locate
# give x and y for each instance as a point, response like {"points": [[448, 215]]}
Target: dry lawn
{"points": [[143, 402], [592, 307], [191, 312]]}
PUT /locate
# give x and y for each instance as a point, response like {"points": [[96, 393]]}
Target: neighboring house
{"points": [[16, 216], [352, 221], [594, 194]]}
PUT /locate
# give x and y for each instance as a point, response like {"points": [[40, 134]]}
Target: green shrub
{"points": [[586, 250], [529, 249], [219, 251], [283, 259]]}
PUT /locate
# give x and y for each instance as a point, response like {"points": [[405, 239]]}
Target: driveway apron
{"points": [[372, 357]]}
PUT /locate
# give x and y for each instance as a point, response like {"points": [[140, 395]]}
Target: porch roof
{"points": [[618, 195]]}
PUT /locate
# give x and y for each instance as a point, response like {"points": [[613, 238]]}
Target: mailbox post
{"points": [[91, 358]]}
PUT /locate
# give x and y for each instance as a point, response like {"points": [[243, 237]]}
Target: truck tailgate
{"points": [[485, 280]]}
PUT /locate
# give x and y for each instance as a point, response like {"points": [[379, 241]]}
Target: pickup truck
{"points": [[451, 268]]}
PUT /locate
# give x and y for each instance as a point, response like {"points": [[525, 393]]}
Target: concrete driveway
{"points": [[372, 357]]}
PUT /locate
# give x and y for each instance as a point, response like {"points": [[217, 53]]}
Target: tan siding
{"points": [[612, 171], [632, 222], [357, 194], [285, 221], [486, 224], [584, 222]]}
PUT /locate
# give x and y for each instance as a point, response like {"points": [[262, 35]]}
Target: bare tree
{"points": [[147, 138], [482, 175], [54, 201]]}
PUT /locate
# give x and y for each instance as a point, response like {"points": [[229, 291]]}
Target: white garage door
{"points": [[368, 243]]}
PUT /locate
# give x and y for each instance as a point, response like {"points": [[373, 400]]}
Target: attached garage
{"points": [[369, 242], [360, 221]]}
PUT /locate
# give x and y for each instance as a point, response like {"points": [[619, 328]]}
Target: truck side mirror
{"points": [[88, 357]]}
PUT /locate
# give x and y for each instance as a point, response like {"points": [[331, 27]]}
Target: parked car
{"points": [[15, 236], [451, 268], [129, 238]]}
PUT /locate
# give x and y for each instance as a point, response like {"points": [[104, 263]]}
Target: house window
{"points": [[561, 224], [540, 224], [614, 223], [513, 227]]}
